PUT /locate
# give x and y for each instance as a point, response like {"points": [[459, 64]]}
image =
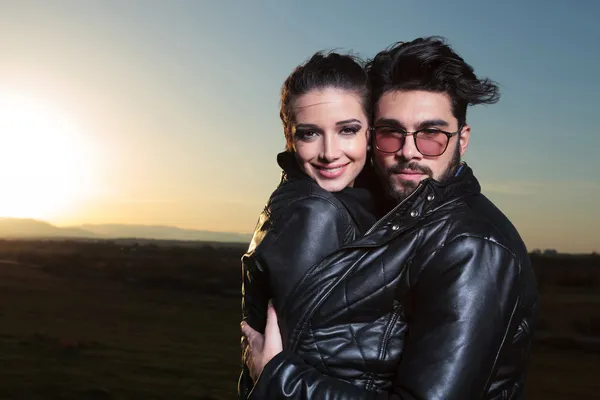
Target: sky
{"points": [[167, 112]]}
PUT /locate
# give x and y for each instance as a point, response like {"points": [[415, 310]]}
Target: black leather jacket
{"points": [[300, 225], [437, 301]]}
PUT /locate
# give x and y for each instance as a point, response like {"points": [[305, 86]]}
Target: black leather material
{"points": [[300, 225], [438, 301]]}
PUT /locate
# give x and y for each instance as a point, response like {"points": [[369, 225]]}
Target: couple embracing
{"points": [[378, 269]]}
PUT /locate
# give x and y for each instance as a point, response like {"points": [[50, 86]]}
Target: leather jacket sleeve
{"points": [[309, 230], [465, 295]]}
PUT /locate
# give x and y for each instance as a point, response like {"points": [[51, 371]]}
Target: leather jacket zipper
{"points": [[386, 336], [388, 331]]}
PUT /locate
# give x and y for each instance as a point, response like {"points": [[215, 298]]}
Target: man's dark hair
{"points": [[430, 64], [323, 70]]}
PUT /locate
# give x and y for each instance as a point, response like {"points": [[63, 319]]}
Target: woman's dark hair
{"points": [[323, 70], [430, 64]]}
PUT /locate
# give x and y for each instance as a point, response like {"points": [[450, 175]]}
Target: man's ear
{"points": [[464, 136]]}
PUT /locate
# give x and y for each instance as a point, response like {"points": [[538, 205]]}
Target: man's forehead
{"points": [[414, 107], [415, 98]]}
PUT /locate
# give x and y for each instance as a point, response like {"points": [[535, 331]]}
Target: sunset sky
{"points": [[166, 112]]}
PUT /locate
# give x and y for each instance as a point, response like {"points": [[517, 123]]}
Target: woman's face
{"points": [[330, 136]]}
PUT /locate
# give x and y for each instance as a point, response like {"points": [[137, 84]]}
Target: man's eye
{"points": [[430, 132], [388, 130]]}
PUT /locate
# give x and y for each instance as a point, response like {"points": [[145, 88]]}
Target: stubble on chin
{"points": [[399, 190]]}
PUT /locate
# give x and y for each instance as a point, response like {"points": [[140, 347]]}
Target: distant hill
{"points": [[162, 232], [23, 228], [30, 228]]}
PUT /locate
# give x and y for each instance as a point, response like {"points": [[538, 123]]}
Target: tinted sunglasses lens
{"points": [[388, 142], [432, 146]]}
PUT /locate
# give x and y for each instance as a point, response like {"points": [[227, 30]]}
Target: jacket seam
{"points": [[337, 209], [502, 344], [315, 343], [310, 311], [516, 306], [464, 236], [512, 320]]}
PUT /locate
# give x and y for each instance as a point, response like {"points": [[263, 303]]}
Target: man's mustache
{"points": [[411, 165]]}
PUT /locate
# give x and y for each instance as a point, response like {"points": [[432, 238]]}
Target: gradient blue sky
{"points": [[176, 103]]}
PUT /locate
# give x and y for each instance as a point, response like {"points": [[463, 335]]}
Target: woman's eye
{"points": [[350, 130], [306, 135]]}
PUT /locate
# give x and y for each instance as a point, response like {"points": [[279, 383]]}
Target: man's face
{"points": [[411, 111]]}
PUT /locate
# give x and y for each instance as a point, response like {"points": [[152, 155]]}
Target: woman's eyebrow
{"points": [[347, 121], [306, 126]]}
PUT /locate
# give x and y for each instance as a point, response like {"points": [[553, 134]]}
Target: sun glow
{"points": [[44, 163]]}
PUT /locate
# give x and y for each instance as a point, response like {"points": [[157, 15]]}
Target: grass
{"points": [[86, 322], [63, 339], [569, 311], [556, 374]]}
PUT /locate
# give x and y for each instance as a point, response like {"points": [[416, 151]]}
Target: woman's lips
{"points": [[330, 172]]}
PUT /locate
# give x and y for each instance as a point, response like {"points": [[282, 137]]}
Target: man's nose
{"points": [[409, 149]]}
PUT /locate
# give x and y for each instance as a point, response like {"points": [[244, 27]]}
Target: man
{"points": [[438, 299]]}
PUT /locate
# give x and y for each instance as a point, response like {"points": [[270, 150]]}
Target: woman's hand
{"points": [[262, 348]]}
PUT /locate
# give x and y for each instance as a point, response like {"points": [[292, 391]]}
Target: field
{"points": [[121, 320]]}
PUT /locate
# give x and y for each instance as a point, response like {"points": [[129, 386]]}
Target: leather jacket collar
{"points": [[431, 194], [289, 165], [427, 197]]}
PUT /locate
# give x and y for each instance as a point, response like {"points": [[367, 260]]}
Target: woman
{"points": [[316, 209]]}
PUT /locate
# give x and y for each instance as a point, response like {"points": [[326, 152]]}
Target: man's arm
{"points": [[464, 300]]}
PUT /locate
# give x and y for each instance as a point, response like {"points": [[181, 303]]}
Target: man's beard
{"points": [[398, 194]]}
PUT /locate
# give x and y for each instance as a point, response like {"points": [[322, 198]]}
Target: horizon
{"points": [[537, 251], [106, 223], [166, 114]]}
